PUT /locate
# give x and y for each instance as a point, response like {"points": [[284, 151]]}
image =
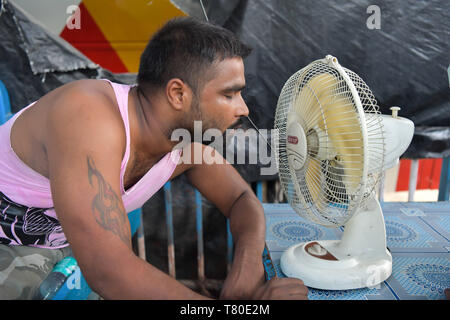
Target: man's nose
{"points": [[242, 109]]}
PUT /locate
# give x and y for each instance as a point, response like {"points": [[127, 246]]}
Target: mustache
{"points": [[238, 124]]}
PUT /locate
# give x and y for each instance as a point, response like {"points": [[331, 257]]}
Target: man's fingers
{"points": [[284, 281], [289, 282], [294, 287], [282, 289], [287, 288]]}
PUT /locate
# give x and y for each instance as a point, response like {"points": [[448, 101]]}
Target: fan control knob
{"points": [[317, 250]]}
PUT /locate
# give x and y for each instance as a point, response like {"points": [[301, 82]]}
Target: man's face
{"points": [[219, 103]]}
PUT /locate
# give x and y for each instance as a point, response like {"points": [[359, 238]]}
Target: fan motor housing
{"points": [[296, 145]]}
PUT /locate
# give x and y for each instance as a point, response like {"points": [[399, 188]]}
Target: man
{"points": [[88, 152]]}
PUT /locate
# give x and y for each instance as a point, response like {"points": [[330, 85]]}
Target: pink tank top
{"points": [[27, 216]]}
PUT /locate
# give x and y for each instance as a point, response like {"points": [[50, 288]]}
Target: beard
{"points": [[196, 114]]}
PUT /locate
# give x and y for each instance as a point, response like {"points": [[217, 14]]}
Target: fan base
{"points": [[323, 265]]}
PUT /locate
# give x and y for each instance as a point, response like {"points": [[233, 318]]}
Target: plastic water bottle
{"points": [[55, 280]]}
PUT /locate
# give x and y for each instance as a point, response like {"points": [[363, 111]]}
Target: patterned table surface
{"points": [[418, 236]]}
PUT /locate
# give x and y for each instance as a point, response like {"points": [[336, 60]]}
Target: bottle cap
{"points": [[66, 266]]}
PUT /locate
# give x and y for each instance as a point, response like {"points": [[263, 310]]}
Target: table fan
{"points": [[332, 150]]}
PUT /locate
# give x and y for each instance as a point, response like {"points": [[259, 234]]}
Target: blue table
{"points": [[418, 236]]}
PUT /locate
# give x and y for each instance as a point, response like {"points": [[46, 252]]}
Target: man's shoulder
{"points": [[87, 92], [84, 100], [86, 107]]}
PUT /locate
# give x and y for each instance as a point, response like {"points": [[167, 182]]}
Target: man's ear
{"points": [[178, 94]]}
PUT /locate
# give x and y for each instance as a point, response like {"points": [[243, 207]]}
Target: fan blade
{"points": [[313, 178], [345, 134], [310, 98], [335, 186], [326, 102]]}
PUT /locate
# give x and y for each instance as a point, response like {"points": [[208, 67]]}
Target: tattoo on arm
{"points": [[106, 206]]}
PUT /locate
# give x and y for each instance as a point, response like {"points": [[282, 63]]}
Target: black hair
{"points": [[184, 48]]}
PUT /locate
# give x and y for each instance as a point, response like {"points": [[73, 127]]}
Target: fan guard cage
{"points": [[346, 181]]}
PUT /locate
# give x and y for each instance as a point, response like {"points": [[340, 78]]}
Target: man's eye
{"points": [[228, 96]]}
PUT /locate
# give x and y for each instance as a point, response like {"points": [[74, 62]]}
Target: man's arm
{"points": [[85, 147], [223, 185]]}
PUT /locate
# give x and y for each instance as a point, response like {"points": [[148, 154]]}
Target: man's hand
{"points": [[282, 289], [244, 277]]}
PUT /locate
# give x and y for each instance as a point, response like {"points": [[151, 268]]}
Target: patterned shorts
{"points": [[23, 266], [29, 226], [22, 269]]}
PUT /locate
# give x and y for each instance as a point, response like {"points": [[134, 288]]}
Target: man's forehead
{"points": [[228, 73]]}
